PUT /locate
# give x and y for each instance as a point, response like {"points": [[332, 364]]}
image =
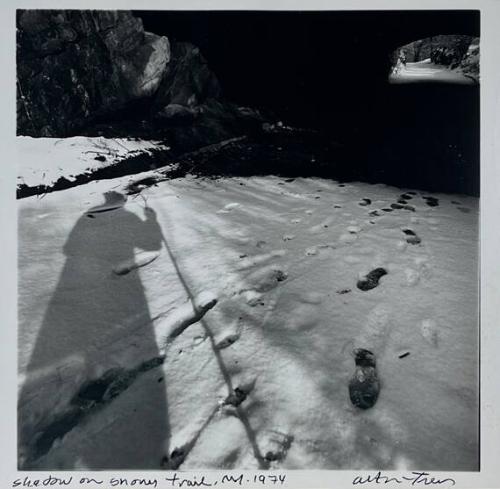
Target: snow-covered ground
{"points": [[42, 161], [247, 284], [427, 71]]}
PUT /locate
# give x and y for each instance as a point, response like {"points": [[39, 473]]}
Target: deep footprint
{"points": [[365, 202], [364, 386], [411, 237], [371, 280], [431, 201], [281, 453]]}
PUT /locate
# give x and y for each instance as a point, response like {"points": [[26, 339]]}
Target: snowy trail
{"points": [[282, 259], [426, 71]]}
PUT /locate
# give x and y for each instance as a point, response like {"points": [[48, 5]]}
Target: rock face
{"points": [[76, 66], [98, 73], [188, 81]]}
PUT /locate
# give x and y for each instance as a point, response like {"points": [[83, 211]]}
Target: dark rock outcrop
{"points": [[97, 73], [76, 66]]}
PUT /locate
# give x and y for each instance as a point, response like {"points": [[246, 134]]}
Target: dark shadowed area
{"points": [[330, 70]]}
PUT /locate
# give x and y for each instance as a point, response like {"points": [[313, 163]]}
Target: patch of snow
{"points": [[42, 161], [235, 315]]}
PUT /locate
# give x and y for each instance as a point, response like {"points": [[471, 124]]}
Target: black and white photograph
{"points": [[248, 240]]}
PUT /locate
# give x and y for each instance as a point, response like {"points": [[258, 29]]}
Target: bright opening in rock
{"points": [[438, 59]]}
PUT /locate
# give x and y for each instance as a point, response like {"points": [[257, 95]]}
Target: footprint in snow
{"points": [[228, 208], [376, 331], [351, 236], [170, 325], [240, 393], [422, 264], [343, 291], [227, 340], [141, 259], [429, 331], [412, 277], [296, 221], [371, 280], [311, 251], [431, 201], [252, 297], [411, 237], [364, 386], [348, 238], [401, 245], [403, 206], [364, 202], [263, 281], [407, 196], [277, 446], [198, 340], [288, 237], [321, 226]]}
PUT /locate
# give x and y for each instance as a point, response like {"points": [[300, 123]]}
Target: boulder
{"points": [[188, 81], [143, 70]]}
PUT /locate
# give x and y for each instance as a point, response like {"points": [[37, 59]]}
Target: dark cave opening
{"points": [[329, 70]]}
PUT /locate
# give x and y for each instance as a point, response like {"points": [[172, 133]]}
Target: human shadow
{"points": [[95, 341]]}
